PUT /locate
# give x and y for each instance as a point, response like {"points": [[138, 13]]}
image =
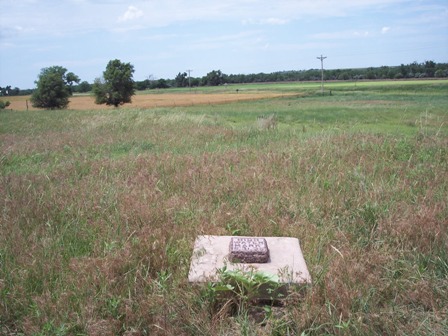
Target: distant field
{"points": [[226, 94], [151, 99], [100, 209]]}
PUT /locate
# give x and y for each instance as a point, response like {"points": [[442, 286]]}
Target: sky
{"points": [[164, 37]]}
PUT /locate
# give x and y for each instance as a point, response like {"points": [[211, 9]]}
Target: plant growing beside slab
{"points": [[242, 288]]}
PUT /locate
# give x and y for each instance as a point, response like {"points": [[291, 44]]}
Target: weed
{"points": [[267, 122]]}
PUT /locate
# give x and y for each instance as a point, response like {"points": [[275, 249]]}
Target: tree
{"points": [[440, 73], [142, 85], [117, 85], [54, 87], [214, 78], [181, 80], [344, 76], [430, 68], [71, 78], [370, 74], [84, 87], [5, 91], [160, 84]]}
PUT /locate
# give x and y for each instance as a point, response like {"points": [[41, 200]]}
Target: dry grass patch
{"points": [[152, 100], [108, 250]]}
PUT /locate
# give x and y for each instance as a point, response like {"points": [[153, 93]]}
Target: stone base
{"points": [[212, 253]]}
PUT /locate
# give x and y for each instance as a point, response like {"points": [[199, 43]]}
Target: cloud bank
{"points": [[132, 13]]}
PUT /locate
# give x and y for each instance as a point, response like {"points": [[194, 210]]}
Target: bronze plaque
{"points": [[248, 250]]}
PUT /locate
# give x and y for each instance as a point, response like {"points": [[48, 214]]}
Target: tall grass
{"points": [[99, 212]]}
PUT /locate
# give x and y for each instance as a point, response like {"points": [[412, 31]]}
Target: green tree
{"points": [[142, 85], [370, 74], [15, 91], [117, 85], [4, 104], [344, 76], [214, 78], [71, 78], [430, 68], [84, 87], [160, 84], [440, 73], [6, 91], [181, 80], [54, 87]]}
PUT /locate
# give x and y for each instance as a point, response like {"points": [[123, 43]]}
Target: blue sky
{"points": [[164, 37]]}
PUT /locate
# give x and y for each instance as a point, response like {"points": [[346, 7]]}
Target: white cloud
{"points": [[276, 21], [361, 33], [132, 13], [240, 40], [194, 25], [269, 21], [340, 35], [89, 15], [5, 45], [127, 29]]}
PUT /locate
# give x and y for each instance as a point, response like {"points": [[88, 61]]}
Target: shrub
{"points": [[4, 104]]}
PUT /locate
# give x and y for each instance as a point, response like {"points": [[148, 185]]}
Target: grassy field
{"points": [[100, 210]]}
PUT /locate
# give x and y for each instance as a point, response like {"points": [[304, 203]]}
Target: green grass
{"points": [[384, 86], [100, 209]]}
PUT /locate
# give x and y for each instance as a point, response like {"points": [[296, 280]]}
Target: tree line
{"points": [[427, 69], [55, 85]]}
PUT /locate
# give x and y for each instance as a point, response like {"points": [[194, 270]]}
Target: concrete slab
{"points": [[212, 253]]}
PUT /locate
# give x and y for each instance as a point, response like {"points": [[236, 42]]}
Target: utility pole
{"points": [[322, 71], [189, 78]]}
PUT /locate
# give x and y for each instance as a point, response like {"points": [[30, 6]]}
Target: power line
{"points": [[189, 78], [322, 71]]}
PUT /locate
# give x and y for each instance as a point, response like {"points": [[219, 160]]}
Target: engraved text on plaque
{"points": [[248, 250]]}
